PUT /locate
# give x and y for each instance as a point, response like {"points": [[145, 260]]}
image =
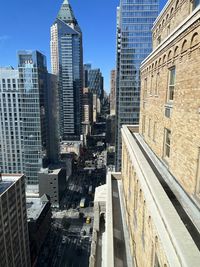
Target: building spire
{"points": [[66, 13]]}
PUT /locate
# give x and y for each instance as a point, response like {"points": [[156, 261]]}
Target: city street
{"points": [[68, 242]]}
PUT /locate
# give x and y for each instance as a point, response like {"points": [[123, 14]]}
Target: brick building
{"points": [[161, 160]]}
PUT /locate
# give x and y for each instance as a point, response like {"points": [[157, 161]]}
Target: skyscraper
{"points": [[14, 240], [32, 85], [11, 157], [134, 22], [112, 92], [29, 135], [94, 80], [67, 63]]}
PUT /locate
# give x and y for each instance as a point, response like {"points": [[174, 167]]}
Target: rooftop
{"points": [[35, 207], [6, 180], [50, 171]]}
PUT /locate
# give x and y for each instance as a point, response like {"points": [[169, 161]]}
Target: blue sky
{"points": [[25, 24]]}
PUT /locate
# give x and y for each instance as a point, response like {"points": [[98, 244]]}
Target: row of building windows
{"points": [[154, 85], [153, 135]]}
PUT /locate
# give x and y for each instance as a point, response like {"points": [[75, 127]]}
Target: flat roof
{"points": [[7, 180], [34, 207], [50, 171]]}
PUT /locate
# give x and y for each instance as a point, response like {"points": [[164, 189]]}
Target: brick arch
{"points": [[167, 17], [177, 3], [169, 56], [176, 51], [171, 11], [159, 61], [156, 64], [163, 22], [195, 39], [152, 66], [164, 58], [184, 46]]}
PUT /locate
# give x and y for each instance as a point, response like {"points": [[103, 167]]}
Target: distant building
{"points": [[86, 68], [39, 223], [52, 182], [110, 130], [32, 85], [14, 240], [134, 42], [93, 79], [87, 111], [53, 132], [94, 101], [29, 135], [71, 147], [113, 92], [11, 137], [67, 63]]}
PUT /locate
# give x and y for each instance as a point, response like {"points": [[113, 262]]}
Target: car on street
{"points": [[88, 220]]}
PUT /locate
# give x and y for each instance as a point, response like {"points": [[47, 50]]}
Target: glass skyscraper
{"points": [[32, 86], [134, 43], [94, 80], [67, 63]]}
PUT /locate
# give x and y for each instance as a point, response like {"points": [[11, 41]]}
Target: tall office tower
{"points": [[14, 240], [95, 82], [112, 92], [52, 101], [134, 43], [11, 156], [67, 63], [86, 68], [32, 85]]}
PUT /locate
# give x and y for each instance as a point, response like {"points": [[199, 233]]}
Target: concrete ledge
{"points": [[109, 224], [179, 247]]}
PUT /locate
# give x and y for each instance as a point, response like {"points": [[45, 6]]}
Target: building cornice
{"points": [[191, 19]]}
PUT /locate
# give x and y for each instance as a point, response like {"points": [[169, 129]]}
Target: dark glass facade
{"points": [[134, 43], [32, 85]]}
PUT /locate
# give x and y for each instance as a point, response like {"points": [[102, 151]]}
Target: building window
{"points": [[168, 29], [158, 40], [149, 129], [172, 74], [167, 142]]}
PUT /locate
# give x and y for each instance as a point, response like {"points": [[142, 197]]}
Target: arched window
{"points": [[164, 58], [195, 39], [169, 55], [176, 51], [184, 46]]}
